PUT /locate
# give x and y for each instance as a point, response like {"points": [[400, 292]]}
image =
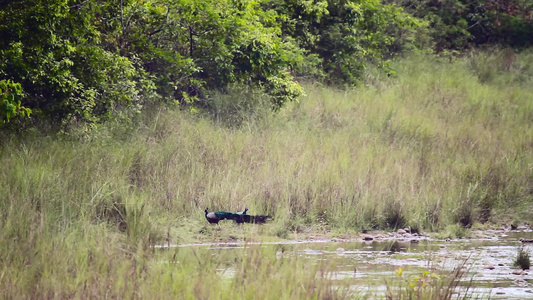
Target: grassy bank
{"points": [[442, 146]]}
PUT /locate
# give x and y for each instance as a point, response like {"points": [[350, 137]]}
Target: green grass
{"points": [[522, 259], [442, 145], [430, 285]]}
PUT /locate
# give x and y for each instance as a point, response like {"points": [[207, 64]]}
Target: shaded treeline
{"points": [[79, 63]]}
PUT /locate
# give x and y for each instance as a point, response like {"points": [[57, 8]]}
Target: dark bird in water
{"points": [[526, 241], [215, 216]]}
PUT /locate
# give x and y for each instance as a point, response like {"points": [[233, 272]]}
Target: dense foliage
{"points": [[344, 36], [55, 50], [457, 24], [10, 101], [84, 62], [88, 60]]}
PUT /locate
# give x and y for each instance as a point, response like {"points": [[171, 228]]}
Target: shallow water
{"points": [[367, 265]]}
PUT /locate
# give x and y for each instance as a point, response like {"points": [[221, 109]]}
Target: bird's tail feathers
{"points": [[257, 219]]}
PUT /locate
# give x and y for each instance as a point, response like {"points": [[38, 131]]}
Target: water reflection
{"points": [[369, 263]]}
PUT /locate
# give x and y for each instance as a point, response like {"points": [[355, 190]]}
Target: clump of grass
{"points": [[455, 231], [430, 285], [393, 216], [237, 106], [501, 66], [284, 228], [113, 212], [464, 215], [433, 215], [522, 259]]}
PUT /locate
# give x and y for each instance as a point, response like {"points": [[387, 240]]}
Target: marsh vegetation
{"points": [[442, 147]]}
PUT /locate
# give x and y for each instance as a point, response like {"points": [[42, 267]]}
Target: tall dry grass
{"points": [[440, 145]]}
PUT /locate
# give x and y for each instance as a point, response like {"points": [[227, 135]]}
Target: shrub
{"points": [[522, 259], [10, 101]]}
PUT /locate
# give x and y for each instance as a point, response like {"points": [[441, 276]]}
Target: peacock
{"points": [[258, 219], [215, 216], [243, 217]]}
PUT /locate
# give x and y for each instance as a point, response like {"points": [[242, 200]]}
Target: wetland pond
{"points": [[369, 265]]}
